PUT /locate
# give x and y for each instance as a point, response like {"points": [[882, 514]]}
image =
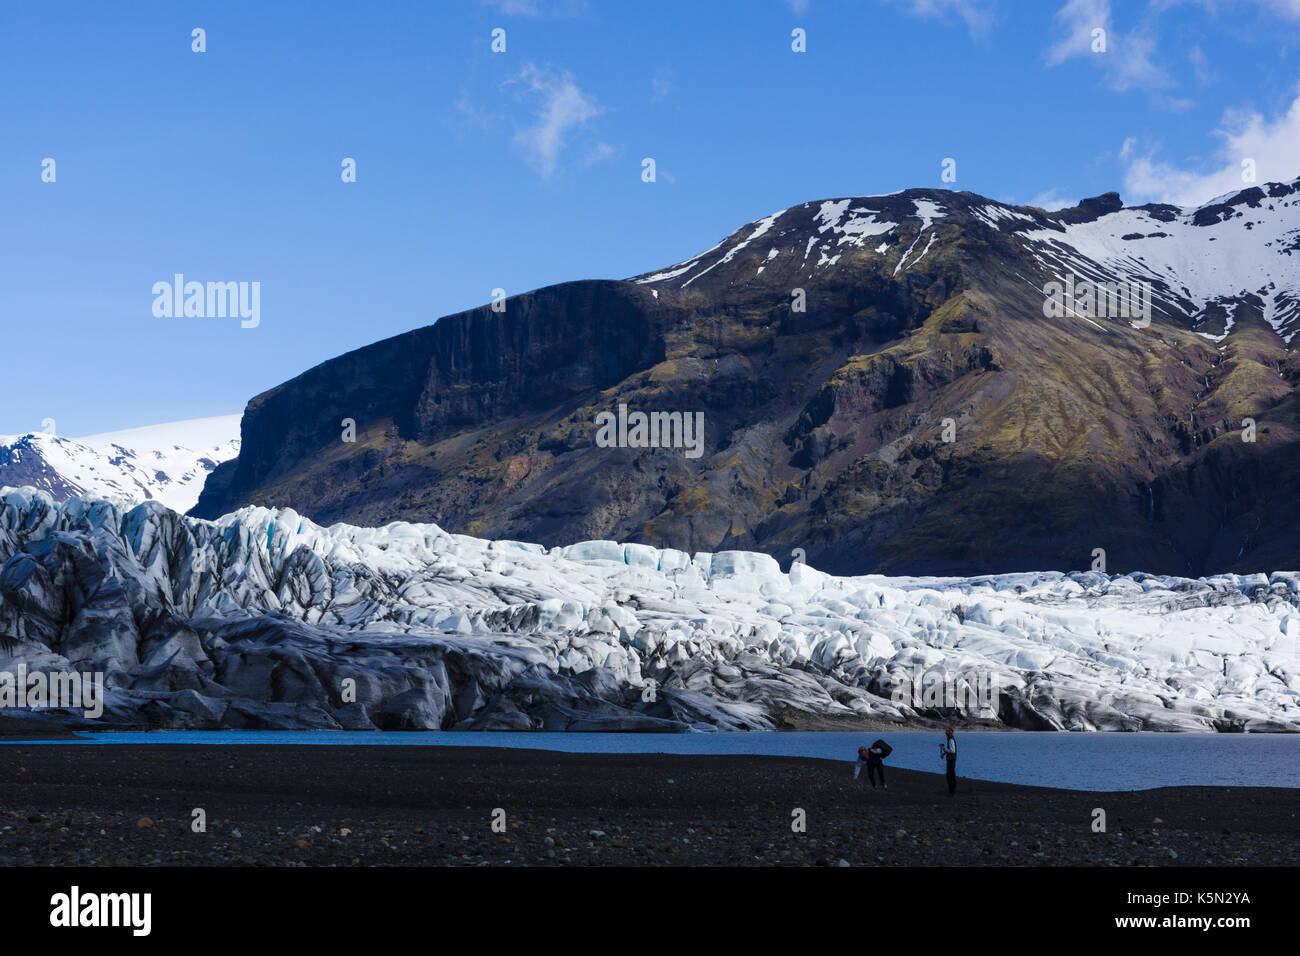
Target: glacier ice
{"points": [[263, 619]]}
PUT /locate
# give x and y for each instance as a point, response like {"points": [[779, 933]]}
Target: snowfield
{"points": [[1217, 254], [262, 619], [166, 463]]}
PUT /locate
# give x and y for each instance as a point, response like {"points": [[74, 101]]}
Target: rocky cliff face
{"points": [[920, 414]]}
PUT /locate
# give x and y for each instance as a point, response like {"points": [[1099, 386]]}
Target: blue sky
{"points": [[478, 170]]}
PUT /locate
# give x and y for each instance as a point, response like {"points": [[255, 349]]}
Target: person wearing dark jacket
{"points": [[948, 753], [873, 758]]}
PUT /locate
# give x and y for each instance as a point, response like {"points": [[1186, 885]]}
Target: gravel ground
{"points": [[424, 806]]}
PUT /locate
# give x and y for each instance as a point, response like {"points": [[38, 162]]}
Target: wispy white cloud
{"points": [[661, 84], [562, 107], [1078, 18], [599, 153], [1201, 66], [1284, 8], [977, 15], [1131, 59], [1273, 145], [1128, 58], [1290, 8], [1052, 200], [537, 8], [472, 115]]}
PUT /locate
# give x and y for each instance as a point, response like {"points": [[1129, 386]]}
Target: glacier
{"points": [[262, 619]]}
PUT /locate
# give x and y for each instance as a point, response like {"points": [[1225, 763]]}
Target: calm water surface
{"points": [[1075, 761]]}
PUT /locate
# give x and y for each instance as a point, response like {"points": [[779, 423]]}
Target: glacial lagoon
{"points": [[1076, 761]]}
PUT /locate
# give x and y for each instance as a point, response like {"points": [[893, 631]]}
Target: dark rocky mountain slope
{"points": [[825, 428]]}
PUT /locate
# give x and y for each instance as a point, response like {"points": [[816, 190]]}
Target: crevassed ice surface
{"points": [[263, 619]]}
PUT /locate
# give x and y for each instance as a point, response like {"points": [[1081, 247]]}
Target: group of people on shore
{"points": [[873, 758]]}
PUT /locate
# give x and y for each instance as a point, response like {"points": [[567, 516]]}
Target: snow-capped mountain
{"points": [[165, 463], [263, 619], [1237, 250], [883, 382]]}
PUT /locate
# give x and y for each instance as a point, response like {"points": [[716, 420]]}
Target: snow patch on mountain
{"points": [[1194, 258], [928, 212], [993, 215], [760, 229]]}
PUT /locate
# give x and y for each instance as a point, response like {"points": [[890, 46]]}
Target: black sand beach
{"points": [[422, 806]]}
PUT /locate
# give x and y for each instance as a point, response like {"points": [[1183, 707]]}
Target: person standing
{"points": [[948, 753]]}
